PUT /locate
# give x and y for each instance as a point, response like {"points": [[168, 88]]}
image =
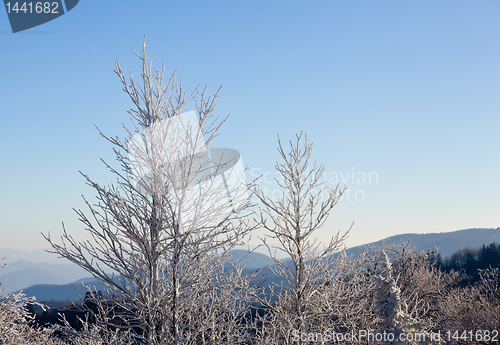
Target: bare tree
{"points": [[314, 271], [161, 236]]}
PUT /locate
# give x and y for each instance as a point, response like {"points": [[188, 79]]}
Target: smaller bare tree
{"points": [[313, 268]]}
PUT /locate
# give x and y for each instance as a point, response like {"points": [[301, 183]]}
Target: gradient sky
{"points": [[406, 90]]}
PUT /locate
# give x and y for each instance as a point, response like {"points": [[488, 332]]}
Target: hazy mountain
{"points": [[447, 242], [70, 272], [252, 260], [22, 274], [37, 256], [263, 249], [18, 280]]}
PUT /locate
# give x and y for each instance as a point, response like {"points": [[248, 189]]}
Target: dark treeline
{"points": [[53, 311], [469, 261]]}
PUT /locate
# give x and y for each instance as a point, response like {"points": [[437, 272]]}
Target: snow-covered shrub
{"points": [[398, 314], [476, 307], [16, 322]]}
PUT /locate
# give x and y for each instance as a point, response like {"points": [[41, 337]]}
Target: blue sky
{"points": [[408, 91]]}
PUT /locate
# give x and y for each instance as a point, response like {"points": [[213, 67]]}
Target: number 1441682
{"points": [[32, 7]]}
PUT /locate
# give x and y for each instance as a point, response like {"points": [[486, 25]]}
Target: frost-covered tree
{"points": [[422, 284], [396, 315], [388, 298], [160, 237], [318, 280]]}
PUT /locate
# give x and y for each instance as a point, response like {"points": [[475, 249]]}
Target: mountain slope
{"points": [[447, 242], [252, 260]]}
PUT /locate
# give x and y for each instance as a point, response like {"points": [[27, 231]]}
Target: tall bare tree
{"points": [[160, 236]]}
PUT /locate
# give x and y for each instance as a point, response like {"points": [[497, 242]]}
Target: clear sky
{"points": [[404, 92]]}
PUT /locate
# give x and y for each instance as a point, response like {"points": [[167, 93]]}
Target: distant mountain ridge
{"points": [[49, 281], [63, 292], [447, 242]]}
